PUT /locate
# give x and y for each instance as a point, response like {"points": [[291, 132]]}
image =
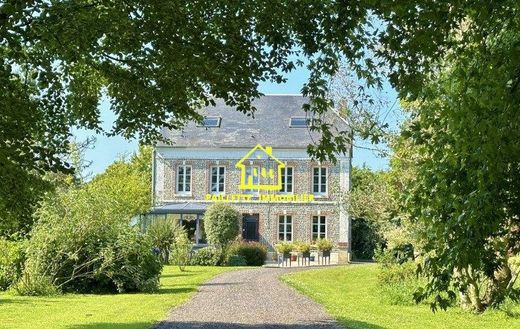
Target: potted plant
{"points": [[284, 249], [304, 251], [324, 247]]}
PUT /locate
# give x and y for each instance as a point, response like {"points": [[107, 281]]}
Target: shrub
{"points": [[221, 222], [254, 253], [284, 247], [181, 248], [33, 284], [365, 238], [398, 282], [302, 247], [324, 245], [12, 257], [208, 256], [162, 234], [83, 242], [237, 260]]}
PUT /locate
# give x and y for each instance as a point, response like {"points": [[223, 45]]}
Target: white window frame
{"points": [[320, 217], [285, 232], [177, 180], [320, 181], [218, 176], [284, 185]]}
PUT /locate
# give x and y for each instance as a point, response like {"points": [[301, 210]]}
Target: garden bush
{"points": [[221, 222], [208, 256], [181, 248], [254, 253], [236, 260], [162, 233], [12, 257], [398, 282], [365, 239], [82, 242]]}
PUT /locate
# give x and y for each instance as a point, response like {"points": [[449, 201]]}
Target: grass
{"points": [[119, 311], [350, 295]]}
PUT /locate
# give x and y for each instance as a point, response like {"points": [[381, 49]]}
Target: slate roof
{"points": [[269, 127]]}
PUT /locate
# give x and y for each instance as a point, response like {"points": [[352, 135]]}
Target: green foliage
{"points": [[465, 136], [53, 78], [284, 247], [254, 253], [324, 245], [236, 260], [162, 233], [181, 248], [83, 240], [12, 257], [365, 238], [207, 256], [221, 222], [398, 282], [302, 247], [33, 283]]}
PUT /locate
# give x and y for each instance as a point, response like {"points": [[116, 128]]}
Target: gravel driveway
{"points": [[248, 299]]}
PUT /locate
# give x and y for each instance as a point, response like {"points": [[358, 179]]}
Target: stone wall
{"points": [[269, 212]]}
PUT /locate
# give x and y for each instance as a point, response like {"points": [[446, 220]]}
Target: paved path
{"points": [[248, 299]]}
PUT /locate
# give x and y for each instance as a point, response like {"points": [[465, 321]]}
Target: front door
{"points": [[250, 227]]}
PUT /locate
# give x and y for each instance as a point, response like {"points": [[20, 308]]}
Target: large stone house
{"points": [[260, 166]]}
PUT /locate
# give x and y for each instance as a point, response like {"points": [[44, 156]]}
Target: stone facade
{"points": [[168, 159]]}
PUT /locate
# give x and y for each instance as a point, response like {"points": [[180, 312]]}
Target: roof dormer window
{"points": [[210, 122], [299, 122]]}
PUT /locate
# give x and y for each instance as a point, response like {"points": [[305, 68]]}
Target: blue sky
{"points": [[108, 149]]}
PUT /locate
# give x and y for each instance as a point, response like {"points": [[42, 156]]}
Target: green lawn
{"points": [[349, 294], [123, 311]]}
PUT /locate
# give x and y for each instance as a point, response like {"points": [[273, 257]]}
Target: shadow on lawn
{"points": [[220, 325]]}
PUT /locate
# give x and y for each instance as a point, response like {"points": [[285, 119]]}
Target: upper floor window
{"points": [[299, 122], [319, 227], [285, 228], [287, 180], [252, 178], [218, 174], [184, 179], [319, 183], [210, 122]]}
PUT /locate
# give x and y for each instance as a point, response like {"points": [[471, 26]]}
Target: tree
{"points": [[221, 222], [83, 240], [465, 134], [369, 204], [159, 61]]}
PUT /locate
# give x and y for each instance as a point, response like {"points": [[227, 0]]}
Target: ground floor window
{"points": [[319, 227], [285, 228], [194, 226]]}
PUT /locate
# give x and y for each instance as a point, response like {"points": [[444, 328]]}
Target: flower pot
{"points": [[325, 253]]}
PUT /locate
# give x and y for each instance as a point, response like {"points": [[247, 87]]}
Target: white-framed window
{"points": [[252, 177], [287, 180], [184, 179], [218, 174], [319, 227], [285, 231], [319, 180]]}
